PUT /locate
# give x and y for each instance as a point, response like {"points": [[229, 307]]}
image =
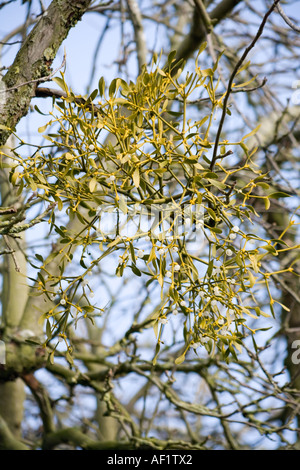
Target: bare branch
{"points": [[287, 19], [204, 15], [7, 439], [236, 68], [140, 40], [34, 60], [198, 32], [17, 267]]}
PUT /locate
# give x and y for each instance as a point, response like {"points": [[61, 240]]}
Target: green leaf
{"points": [[174, 294], [206, 159], [14, 178], [88, 308], [20, 188], [201, 122], [132, 253], [210, 174], [254, 344], [251, 133], [217, 184], [267, 203], [51, 357], [120, 270], [61, 83], [92, 185], [171, 57], [240, 85], [207, 72], [39, 111], [93, 95], [157, 348], [215, 230], [263, 185], [252, 279], [101, 86], [50, 258], [122, 203], [135, 270], [161, 72], [114, 242], [278, 194], [243, 67], [254, 261], [43, 128], [136, 177], [212, 213], [180, 359], [112, 87], [48, 329], [202, 47], [210, 268], [39, 257], [270, 249], [125, 89], [69, 358], [244, 147]]}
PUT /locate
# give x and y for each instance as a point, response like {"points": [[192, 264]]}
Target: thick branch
{"points": [[43, 401], [7, 439], [34, 60], [77, 438], [198, 29], [139, 34], [234, 73]]}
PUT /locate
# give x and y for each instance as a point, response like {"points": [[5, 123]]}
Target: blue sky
{"points": [[79, 47]]}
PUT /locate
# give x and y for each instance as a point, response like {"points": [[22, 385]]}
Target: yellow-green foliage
{"points": [[132, 145]]}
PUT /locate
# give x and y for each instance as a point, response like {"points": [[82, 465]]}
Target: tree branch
{"points": [[289, 22], [34, 59], [235, 71], [42, 400], [140, 39], [198, 30], [7, 440], [204, 15]]}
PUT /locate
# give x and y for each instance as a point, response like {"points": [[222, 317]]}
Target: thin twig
{"points": [[43, 400], [10, 43], [7, 210], [287, 19], [97, 49], [235, 71], [218, 95], [37, 80], [204, 15], [17, 267]]}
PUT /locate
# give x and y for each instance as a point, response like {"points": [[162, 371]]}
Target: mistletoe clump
{"points": [[183, 204]]}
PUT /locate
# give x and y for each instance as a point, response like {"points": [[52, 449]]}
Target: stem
{"points": [[235, 71]]}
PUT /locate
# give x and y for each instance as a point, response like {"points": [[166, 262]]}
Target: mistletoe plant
{"points": [[182, 206]]}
